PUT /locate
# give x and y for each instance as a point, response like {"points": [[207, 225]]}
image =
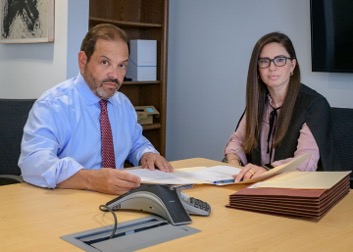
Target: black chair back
{"points": [[14, 113], [342, 122]]}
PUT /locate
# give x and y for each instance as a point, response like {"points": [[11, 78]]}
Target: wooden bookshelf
{"points": [[142, 19]]}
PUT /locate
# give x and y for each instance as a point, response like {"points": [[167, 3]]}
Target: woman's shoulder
{"points": [[310, 96], [305, 90], [309, 93]]}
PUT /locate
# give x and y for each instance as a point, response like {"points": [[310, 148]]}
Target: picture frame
{"points": [[30, 21]]}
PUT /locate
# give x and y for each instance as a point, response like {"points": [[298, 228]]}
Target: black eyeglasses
{"points": [[279, 61]]}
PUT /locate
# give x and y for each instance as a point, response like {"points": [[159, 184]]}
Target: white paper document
{"points": [[219, 175]]}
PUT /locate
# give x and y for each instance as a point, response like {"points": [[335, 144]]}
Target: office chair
{"points": [[342, 124], [14, 113]]}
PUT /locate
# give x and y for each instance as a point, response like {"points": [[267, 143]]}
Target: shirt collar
{"points": [[270, 100], [85, 91]]}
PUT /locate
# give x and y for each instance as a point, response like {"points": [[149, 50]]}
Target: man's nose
{"points": [[114, 74]]}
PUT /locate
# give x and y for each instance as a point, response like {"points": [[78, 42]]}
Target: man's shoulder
{"points": [[63, 89]]}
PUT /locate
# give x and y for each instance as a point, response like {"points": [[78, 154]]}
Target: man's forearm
{"points": [[80, 180]]}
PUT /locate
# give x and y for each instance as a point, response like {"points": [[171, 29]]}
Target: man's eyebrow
{"points": [[105, 57]]}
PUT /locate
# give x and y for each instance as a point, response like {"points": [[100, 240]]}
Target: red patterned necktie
{"points": [[108, 158]]}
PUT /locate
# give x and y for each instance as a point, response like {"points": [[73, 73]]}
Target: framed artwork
{"points": [[26, 21]]}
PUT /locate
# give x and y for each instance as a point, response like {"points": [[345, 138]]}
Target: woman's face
{"points": [[276, 77]]}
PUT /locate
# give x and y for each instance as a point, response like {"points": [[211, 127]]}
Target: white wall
{"points": [[210, 43], [27, 70]]}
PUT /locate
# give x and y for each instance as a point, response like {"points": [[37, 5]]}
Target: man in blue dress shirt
{"points": [[61, 145]]}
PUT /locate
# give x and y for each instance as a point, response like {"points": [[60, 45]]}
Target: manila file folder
{"points": [[295, 194]]}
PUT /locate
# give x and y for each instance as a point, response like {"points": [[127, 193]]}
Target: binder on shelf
{"points": [[311, 202], [145, 114]]}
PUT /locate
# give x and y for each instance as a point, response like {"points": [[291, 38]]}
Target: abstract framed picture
{"points": [[26, 21]]}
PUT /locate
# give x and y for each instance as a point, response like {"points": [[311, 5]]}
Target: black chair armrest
{"points": [[10, 179]]}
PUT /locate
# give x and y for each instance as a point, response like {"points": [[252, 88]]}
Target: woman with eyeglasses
{"points": [[283, 117]]}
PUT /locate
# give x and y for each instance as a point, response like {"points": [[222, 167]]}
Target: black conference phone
{"points": [[162, 200]]}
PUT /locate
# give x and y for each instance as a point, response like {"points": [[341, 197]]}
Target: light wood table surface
{"points": [[33, 219]]}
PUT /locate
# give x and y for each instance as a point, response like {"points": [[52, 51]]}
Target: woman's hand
{"points": [[249, 171]]}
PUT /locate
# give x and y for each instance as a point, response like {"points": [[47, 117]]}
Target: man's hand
{"points": [[105, 180], [152, 161]]}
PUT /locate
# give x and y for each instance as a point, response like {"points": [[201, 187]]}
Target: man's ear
{"points": [[82, 60]]}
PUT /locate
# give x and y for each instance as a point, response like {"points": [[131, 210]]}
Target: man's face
{"points": [[105, 71]]}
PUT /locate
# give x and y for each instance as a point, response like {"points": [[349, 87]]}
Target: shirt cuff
{"points": [[63, 170]]}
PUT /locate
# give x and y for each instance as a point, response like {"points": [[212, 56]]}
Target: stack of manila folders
{"points": [[297, 194]]}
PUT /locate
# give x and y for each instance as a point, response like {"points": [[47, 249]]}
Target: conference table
{"points": [[34, 219]]}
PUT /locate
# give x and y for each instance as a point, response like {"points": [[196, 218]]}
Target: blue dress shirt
{"points": [[62, 134]]}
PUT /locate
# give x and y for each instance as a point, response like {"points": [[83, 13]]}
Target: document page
{"points": [[290, 166], [219, 175]]}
